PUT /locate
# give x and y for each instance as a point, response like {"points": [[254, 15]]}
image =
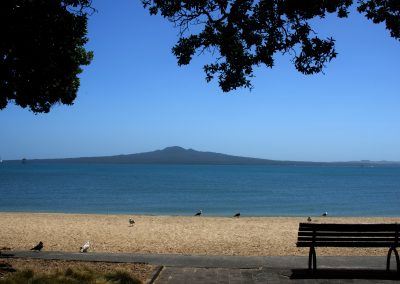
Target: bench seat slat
{"points": [[347, 244], [347, 239], [349, 227], [344, 234]]}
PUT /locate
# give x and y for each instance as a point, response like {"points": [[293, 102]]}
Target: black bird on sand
{"points": [[309, 219], [198, 213], [38, 247], [237, 215], [131, 221]]}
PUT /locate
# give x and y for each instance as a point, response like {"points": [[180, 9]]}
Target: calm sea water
{"points": [[217, 190]]}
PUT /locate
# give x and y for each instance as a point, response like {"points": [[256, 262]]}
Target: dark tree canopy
{"points": [[41, 51], [248, 33]]}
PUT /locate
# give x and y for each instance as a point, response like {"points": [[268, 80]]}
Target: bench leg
{"points": [[312, 259], [397, 259]]}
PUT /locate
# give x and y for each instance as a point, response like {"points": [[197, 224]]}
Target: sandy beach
{"points": [[169, 234]]}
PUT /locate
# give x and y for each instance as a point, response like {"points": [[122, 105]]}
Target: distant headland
{"points": [[179, 155]]}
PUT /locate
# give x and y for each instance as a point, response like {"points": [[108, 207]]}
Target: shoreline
{"points": [[319, 217], [204, 235]]}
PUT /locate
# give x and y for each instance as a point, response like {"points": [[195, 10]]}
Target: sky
{"points": [[135, 98]]}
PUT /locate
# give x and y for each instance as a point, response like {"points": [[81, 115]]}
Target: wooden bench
{"points": [[314, 235]]}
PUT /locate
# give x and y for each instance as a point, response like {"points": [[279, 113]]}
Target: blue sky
{"points": [[134, 98]]}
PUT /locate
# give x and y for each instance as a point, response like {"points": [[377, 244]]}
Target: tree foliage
{"points": [[248, 33], [41, 51]]}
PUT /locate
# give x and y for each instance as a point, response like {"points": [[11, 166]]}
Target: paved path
{"points": [[270, 276], [177, 260], [241, 269]]}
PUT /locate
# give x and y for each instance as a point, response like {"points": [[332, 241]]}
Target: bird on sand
{"points": [[38, 247], [131, 221], [198, 213], [85, 247], [325, 214], [309, 219], [237, 215]]}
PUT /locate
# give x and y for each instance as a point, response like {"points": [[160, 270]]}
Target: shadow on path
{"points": [[345, 274]]}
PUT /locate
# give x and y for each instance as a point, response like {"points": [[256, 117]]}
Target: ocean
{"points": [[219, 190]]}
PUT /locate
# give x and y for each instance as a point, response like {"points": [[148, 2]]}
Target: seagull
{"points": [[38, 247], [325, 214], [131, 221], [309, 219], [85, 247], [237, 215], [198, 213]]}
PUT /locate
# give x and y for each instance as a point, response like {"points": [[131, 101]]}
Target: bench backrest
{"points": [[348, 235]]}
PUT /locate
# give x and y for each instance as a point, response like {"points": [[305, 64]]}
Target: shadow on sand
{"points": [[344, 274]]}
